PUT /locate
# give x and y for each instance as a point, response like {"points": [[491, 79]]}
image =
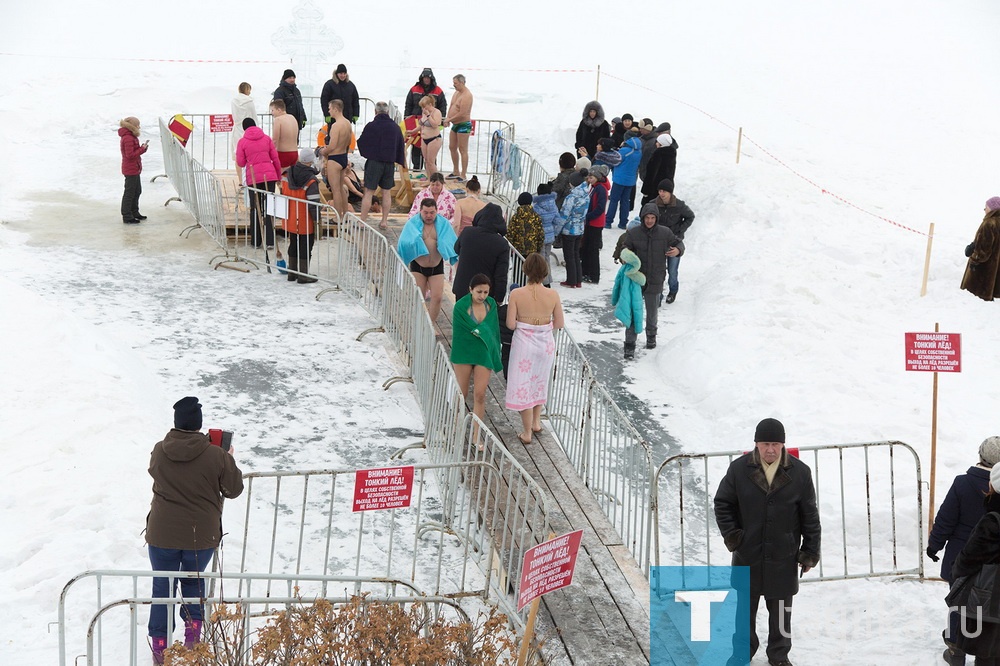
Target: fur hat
{"points": [[341, 69], [663, 127], [646, 127], [583, 163], [993, 203], [666, 185], [769, 430], [132, 125], [524, 199], [664, 140], [995, 477], [989, 451], [307, 155], [289, 74], [600, 172], [187, 414]]}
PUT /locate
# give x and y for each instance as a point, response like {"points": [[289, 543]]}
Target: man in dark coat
{"points": [[662, 166], [289, 93], [961, 510], [653, 244], [482, 248], [426, 85], [676, 216], [341, 87], [766, 511], [982, 274]]}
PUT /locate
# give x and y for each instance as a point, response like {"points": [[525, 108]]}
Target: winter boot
{"points": [[629, 351], [192, 633], [158, 644], [650, 342], [129, 220], [953, 656], [671, 297], [304, 268], [293, 265]]}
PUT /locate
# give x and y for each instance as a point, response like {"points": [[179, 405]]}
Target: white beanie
{"points": [[995, 477], [989, 451], [306, 155], [664, 140]]}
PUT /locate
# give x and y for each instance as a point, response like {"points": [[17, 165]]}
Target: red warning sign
{"points": [[385, 488], [548, 567], [934, 352], [220, 123]]}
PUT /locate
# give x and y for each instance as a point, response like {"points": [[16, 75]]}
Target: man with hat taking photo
{"points": [[766, 511], [184, 526]]}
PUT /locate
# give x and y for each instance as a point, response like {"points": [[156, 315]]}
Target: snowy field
{"points": [[792, 304]]}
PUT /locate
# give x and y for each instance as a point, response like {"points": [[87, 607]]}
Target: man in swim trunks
{"points": [[425, 242], [285, 134], [336, 154], [461, 127]]}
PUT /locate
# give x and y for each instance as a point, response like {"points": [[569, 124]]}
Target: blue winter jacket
{"points": [[574, 210], [545, 206], [627, 172], [626, 294], [961, 510], [411, 240]]}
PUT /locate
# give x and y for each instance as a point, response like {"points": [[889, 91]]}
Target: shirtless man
{"points": [[461, 127], [336, 154], [285, 134], [426, 241]]}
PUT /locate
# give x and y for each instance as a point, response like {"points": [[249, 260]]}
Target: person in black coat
{"points": [[662, 166], [341, 87], [766, 511], [482, 248], [593, 127], [289, 93], [981, 639]]}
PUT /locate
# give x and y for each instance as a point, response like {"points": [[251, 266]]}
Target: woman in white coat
{"points": [[242, 108]]}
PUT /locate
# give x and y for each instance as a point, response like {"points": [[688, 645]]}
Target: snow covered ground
{"points": [[792, 304]]}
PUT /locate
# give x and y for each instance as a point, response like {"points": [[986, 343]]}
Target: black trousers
{"points": [[130, 198], [779, 626], [299, 250], [258, 210], [571, 255], [591, 254]]}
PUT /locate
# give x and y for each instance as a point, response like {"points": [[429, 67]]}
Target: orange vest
{"points": [[298, 221]]}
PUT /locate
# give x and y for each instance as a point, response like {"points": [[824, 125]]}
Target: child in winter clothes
{"points": [[132, 152], [592, 242], [544, 204], [574, 212], [626, 295], [524, 231]]}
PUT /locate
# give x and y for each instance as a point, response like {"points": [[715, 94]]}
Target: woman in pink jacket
{"points": [[257, 153], [132, 152]]}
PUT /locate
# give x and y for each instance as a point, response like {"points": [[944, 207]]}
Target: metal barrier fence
{"points": [[891, 533], [89, 627]]}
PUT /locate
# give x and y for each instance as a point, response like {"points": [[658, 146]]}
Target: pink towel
{"points": [[531, 354]]}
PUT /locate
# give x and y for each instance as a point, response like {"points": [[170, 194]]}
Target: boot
{"points": [[158, 644], [129, 220], [293, 265], [650, 342], [304, 268], [671, 297], [953, 656], [629, 351], [192, 633]]}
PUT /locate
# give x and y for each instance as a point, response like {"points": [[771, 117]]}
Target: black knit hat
{"points": [[187, 414], [248, 123], [289, 74], [341, 69], [627, 116], [567, 161], [663, 127], [666, 185], [770, 430], [524, 199]]}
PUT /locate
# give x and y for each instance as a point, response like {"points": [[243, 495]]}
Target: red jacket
{"points": [[597, 212], [131, 153], [257, 153]]}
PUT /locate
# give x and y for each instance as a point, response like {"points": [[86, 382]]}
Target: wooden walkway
{"points": [[603, 618]]}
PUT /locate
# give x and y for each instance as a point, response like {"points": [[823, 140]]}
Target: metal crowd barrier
{"points": [[684, 517], [89, 627]]}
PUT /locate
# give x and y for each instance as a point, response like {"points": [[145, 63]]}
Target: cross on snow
{"points": [[306, 36]]}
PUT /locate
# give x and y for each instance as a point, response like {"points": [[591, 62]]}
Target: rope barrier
{"points": [[180, 60], [771, 155]]}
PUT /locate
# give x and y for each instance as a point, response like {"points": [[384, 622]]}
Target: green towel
{"points": [[472, 342]]}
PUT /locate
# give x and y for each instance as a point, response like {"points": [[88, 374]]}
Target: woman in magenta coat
{"points": [[257, 153], [132, 152]]}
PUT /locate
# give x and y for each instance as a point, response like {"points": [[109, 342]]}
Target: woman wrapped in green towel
{"points": [[475, 341]]}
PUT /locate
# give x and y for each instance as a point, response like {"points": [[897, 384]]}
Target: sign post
{"points": [[933, 352], [546, 568]]}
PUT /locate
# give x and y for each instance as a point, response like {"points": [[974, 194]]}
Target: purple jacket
{"points": [[257, 153], [382, 140]]}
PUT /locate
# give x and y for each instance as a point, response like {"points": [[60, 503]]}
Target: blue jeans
{"points": [[672, 264], [618, 199], [175, 559]]}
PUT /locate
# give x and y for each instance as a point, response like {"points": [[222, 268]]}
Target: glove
{"points": [[931, 553], [328, 119], [302, 125], [970, 248], [354, 119]]}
